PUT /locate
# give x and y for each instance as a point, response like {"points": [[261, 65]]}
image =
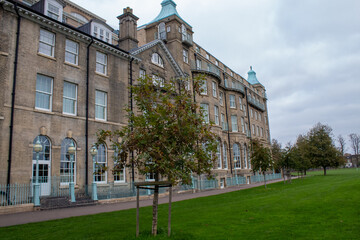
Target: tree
{"points": [[342, 144], [302, 151], [322, 151], [170, 137], [276, 152], [260, 158], [355, 142]]}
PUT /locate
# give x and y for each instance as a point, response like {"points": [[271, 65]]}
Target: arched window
{"points": [[156, 59], [218, 155], [119, 169], [225, 155], [237, 159], [101, 164], [162, 32], [44, 159], [246, 157], [65, 162], [80, 17]]}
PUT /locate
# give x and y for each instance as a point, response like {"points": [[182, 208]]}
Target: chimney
{"points": [[128, 30]]}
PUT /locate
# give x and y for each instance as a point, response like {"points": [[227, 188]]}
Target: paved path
{"points": [[39, 216]]}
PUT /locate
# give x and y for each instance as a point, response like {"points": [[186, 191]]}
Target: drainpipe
{"points": [[131, 126], [247, 109], [87, 116], [13, 96], [228, 131]]}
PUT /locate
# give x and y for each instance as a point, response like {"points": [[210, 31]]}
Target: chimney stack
{"points": [[128, 30]]}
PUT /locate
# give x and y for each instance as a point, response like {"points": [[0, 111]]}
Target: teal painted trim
{"points": [[252, 79]]}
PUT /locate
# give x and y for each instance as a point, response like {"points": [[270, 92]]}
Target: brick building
{"points": [[65, 74]]}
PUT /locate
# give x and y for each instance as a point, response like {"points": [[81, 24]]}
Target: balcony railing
{"points": [[256, 103], [206, 67], [187, 39]]}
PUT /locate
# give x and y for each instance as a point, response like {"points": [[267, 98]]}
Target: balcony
{"points": [[256, 103], [206, 68], [187, 39]]}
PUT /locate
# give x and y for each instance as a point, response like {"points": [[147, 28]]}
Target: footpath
{"points": [[46, 215]]}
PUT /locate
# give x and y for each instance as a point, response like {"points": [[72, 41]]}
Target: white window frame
{"points": [[225, 163], [243, 125], [142, 73], [218, 154], [45, 93], [240, 103], [52, 14], [198, 64], [103, 106], [216, 114], [157, 60], [205, 107], [51, 45], [117, 175], [74, 100], [214, 89], [100, 64], [65, 160], [253, 129], [223, 124], [221, 98], [203, 87], [237, 156], [158, 81], [234, 124], [232, 101], [69, 52], [104, 175], [186, 56], [207, 56]]}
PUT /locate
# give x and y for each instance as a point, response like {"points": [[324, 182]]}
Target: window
{"points": [[216, 62], [207, 56], [251, 113], [156, 59], [234, 125], [107, 37], [221, 94], [225, 156], [223, 123], [100, 105], [216, 113], [168, 29], [233, 84], [257, 131], [260, 117], [231, 74], [240, 103], [214, 89], [142, 73], [256, 116], [198, 64], [205, 110], [53, 11], [161, 30], [197, 49], [237, 156], [253, 129], [262, 132], [47, 43], [243, 125], [101, 63], [158, 81], [119, 170], [245, 157], [101, 34], [218, 155], [232, 101], [71, 52], [186, 55], [100, 165], [69, 98], [203, 88], [44, 86], [247, 129], [225, 82], [65, 162], [44, 159], [95, 31]]}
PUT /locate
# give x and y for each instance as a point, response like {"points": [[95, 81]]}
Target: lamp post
{"points": [[71, 151], [235, 161], [37, 148], [93, 152]]}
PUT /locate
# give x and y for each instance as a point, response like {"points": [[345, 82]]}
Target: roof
{"points": [[252, 79], [168, 9]]}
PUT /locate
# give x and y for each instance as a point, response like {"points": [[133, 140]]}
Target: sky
{"points": [[305, 52]]}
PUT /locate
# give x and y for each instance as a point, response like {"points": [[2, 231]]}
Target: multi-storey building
{"points": [[65, 74]]}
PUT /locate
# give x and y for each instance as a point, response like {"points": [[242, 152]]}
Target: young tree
{"points": [[355, 142], [170, 137], [276, 153], [260, 158], [342, 144], [322, 151], [302, 152]]}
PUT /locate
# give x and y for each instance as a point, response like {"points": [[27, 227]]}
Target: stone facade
{"points": [[169, 37]]}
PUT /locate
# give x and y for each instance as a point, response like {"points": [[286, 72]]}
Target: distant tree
{"points": [[302, 151], [355, 142], [342, 144], [260, 158], [277, 154], [322, 151], [169, 135]]}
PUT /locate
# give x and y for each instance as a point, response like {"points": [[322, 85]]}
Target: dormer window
{"points": [[53, 11], [95, 31], [156, 59], [107, 36], [101, 34]]}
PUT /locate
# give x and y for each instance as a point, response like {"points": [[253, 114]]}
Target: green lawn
{"points": [[315, 207]]}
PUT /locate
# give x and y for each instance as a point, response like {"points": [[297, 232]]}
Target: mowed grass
{"points": [[316, 207]]}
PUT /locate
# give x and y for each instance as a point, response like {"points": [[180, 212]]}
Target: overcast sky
{"points": [[305, 52]]}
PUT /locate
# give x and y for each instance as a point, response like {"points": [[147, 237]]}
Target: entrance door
{"points": [[44, 165]]}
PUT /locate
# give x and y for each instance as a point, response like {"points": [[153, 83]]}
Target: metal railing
{"points": [[15, 194], [206, 67], [234, 181], [187, 39], [256, 103]]}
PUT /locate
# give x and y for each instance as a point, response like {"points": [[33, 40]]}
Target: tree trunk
{"points": [[155, 208], [324, 171], [284, 174], [264, 179], [305, 172]]}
